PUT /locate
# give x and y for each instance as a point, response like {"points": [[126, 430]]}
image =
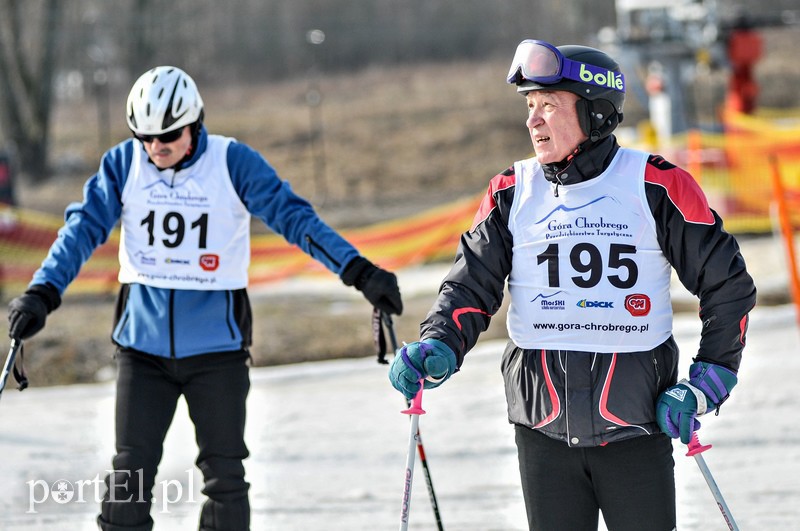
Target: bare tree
{"points": [[27, 67]]}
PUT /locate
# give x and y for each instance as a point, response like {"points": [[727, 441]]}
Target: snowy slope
{"points": [[328, 448]]}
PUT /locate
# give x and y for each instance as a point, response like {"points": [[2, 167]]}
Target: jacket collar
{"points": [[589, 160]]}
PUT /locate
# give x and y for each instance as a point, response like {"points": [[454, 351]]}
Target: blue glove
{"points": [[430, 359], [708, 386]]}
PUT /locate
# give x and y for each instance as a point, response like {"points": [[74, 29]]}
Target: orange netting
{"points": [[26, 235]]}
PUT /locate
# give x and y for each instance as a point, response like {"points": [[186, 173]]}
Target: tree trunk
{"points": [[26, 82]]}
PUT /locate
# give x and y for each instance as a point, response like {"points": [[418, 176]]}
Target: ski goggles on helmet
{"points": [[543, 63]]}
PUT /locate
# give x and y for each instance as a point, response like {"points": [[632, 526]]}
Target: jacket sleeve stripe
{"points": [[461, 311], [743, 329]]}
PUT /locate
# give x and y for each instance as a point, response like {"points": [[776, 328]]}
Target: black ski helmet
{"points": [[599, 107]]}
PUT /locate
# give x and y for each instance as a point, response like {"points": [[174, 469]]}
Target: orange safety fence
{"points": [[783, 201], [26, 235], [733, 166], [753, 145]]}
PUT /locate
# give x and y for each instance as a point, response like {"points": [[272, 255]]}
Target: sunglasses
{"points": [[164, 138], [541, 62]]}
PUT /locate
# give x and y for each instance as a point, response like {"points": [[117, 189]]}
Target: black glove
{"points": [[378, 285], [27, 313]]}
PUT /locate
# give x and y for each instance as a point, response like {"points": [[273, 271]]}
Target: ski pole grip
{"points": [[695, 447], [416, 403]]}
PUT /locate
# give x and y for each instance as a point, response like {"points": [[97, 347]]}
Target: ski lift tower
{"points": [[663, 44]]}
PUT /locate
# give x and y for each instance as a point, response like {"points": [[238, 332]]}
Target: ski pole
{"points": [[415, 410], [695, 449], [420, 447], [16, 344]]}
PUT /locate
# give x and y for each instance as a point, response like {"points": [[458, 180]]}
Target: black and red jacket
{"points": [[591, 398]]}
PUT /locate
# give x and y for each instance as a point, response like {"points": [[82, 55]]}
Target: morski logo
{"points": [[678, 394]]}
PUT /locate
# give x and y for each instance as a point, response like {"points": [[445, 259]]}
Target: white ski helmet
{"points": [[162, 100]]}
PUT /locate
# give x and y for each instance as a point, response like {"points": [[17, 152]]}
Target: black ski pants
{"points": [[631, 481], [215, 388]]}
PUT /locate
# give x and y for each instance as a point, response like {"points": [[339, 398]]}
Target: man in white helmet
{"points": [[183, 321], [585, 235]]}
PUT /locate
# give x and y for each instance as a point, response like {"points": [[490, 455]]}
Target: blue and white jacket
{"points": [[179, 323]]}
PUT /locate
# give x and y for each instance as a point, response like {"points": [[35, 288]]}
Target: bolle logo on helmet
{"points": [[602, 77]]}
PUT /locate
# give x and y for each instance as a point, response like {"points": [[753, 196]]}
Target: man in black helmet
{"points": [[586, 234]]}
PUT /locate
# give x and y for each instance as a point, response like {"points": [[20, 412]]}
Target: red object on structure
{"points": [[744, 51]]}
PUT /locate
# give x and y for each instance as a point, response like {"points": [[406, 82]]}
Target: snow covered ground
{"points": [[328, 448]]}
